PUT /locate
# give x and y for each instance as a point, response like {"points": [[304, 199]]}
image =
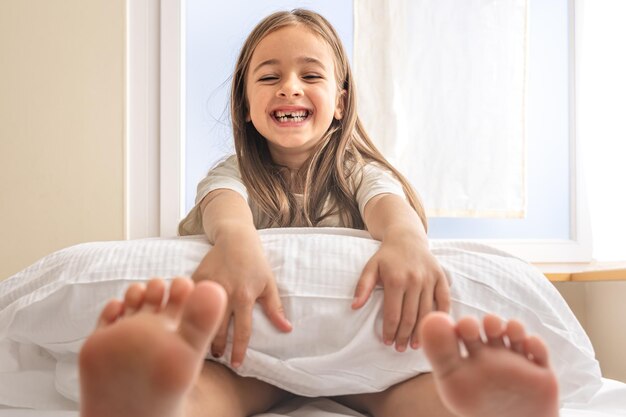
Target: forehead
{"points": [[292, 43]]}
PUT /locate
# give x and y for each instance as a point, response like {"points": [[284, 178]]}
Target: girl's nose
{"points": [[290, 88]]}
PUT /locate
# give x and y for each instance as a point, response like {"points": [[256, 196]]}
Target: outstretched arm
{"points": [[410, 275], [238, 263]]}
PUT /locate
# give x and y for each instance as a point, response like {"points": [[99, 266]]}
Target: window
{"points": [[556, 228]]}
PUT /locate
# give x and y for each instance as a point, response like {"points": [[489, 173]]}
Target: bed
{"points": [[48, 309]]}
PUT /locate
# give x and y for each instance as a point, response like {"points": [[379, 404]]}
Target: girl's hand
{"points": [[411, 278], [237, 262]]}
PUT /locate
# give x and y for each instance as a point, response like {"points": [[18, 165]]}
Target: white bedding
{"points": [[48, 309]]}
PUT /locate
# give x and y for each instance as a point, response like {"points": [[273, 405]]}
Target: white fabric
{"points": [[48, 309], [441, 87], [373, 181]]}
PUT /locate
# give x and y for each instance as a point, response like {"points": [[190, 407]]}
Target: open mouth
{"points": [[295, 116]]}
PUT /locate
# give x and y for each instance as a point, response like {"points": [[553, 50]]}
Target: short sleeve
{"points": [[377, 180], [224, 175]]}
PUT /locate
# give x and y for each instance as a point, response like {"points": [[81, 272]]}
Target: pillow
{"points": [[49, 309]]}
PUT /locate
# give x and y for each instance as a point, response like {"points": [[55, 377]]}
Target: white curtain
{"points": [[441, 86]]}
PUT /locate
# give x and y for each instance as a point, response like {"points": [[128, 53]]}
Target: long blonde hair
{"points": [[340, 154]]}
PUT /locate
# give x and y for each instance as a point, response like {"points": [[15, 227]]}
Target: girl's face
{"points": [[292, 93]]}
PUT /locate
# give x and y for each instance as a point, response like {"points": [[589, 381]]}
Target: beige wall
{"points": [[600, 308], [61, 126]]}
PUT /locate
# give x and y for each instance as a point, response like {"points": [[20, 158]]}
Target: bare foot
{"points": [[506, 375], [145, 355]]}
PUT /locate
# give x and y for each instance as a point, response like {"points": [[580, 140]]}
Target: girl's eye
{"points": [[268, 78], [311, 77]]}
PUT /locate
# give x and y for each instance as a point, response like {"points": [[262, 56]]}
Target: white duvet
{"points": [[47, 310]]}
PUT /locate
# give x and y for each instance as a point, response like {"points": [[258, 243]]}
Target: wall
{"points": [[606, 321], [61, 126], [599, 307]]}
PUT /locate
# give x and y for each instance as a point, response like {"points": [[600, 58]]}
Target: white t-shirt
{"points": [[226, 175]]}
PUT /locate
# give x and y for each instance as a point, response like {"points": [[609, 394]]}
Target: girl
{"points": [[303, 159]]}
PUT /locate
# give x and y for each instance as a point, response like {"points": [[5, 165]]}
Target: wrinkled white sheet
{"points": [[48, 309]]}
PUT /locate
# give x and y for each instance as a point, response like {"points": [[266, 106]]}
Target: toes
{"points": [[494, 330], [536, 351], [202, 314], [153, 299], [468, 328], [516, 334], [110, 313], [440, 342], [178, 294], [133, 299]]}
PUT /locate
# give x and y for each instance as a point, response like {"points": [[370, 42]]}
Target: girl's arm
{"points": [[411, 276], [238, 263], [224, 211]]}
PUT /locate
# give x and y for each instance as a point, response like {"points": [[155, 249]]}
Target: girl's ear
{"points": [[341, 104]]}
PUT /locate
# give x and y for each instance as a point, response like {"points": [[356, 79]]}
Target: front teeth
{"points": [[294, 116]]}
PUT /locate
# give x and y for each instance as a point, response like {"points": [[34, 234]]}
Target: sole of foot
{"points": [[504, 372], [147, 350]]}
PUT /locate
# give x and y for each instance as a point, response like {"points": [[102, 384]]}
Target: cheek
{"points": [[256, 103]]}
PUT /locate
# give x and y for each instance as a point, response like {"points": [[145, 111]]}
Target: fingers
{"points": [[393, 296], [366, 284], [406, 303], [273, 308], [408, 321], [219, 342], [425, 307], [240, 313], [241, 333], [442, 293]]}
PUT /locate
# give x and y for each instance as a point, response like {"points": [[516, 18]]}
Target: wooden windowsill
{"points": [[592, 271]]}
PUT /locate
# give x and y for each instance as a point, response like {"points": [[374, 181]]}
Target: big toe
{"points": [[441, 343], [202, 314]]}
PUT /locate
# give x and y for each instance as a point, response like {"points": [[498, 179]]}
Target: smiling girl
{"points": [[304, 159]]}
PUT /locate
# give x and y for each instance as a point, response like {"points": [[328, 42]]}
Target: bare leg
{"points": [[415, 397], [227, 394], [144, 358], [496, 379]]}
